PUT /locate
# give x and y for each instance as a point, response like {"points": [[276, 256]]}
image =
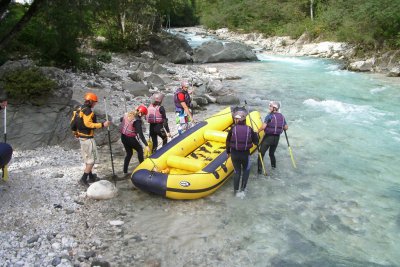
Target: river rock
{"points": [[213, 51], [102, 190]]}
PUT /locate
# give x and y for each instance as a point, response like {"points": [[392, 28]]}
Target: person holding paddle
{"points": [[274, 124], [238, 143], [86, 125]]}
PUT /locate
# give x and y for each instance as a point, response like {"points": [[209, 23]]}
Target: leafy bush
{"points": [[89, 65], [28, 84], [104, 57]]}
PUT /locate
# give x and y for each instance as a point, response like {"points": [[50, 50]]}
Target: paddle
{"points": [[290, 150], [109, 144], [258, 148], [5, 168]]}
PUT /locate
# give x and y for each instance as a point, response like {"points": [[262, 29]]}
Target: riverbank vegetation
{"points": [[54, 32], [372, 24]]}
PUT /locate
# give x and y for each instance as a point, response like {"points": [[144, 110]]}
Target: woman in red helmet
{"points": [[130, 128], [85, 133]]}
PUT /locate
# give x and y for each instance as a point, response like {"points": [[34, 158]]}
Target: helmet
{"points": [[158, 97], [185, 84], [240, 115], [275, 104], [91, 96], [142, 109]]}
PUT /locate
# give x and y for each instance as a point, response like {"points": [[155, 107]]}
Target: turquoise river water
{"points": [[339, 207]]}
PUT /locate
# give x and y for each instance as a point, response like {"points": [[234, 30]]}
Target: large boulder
{"points": [[174, 48], [102, 190], [44, 121], [135, 88], [213, 51]]}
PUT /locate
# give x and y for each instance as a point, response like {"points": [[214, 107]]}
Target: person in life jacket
{"points": [[130, 129], [182, 102], [157, 118], [85, 133], [274, 124], [238, 143]]}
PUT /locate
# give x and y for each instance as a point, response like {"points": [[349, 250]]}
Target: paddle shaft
{"points": [[109, 141], [290, 151], [258, 148]]}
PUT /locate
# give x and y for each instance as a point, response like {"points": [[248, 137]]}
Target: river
{"points": [[339, 207]]}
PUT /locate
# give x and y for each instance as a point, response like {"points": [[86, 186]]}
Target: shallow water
{"points": [[340, 207]]}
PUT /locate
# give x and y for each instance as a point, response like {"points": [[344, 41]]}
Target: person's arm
{"points": [[254, 137], [285, 126], [181, 98], [266, 121], [228, 142], [88, 120], [138, 126], [165, 120]]}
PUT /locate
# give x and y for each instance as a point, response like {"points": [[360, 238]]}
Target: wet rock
{"points": [[100, 263], [109, 75], [33, 239], [56, 261], [319, 226], [137, 76]]}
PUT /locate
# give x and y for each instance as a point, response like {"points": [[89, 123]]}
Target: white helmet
{"points": [[240, 115], [158, 97], [185, 83], [275, 104]]}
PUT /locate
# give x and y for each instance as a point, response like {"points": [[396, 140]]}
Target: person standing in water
{"points": [[182, 104], [130, 128], [157, 118], [238, 143], [274, 124]]}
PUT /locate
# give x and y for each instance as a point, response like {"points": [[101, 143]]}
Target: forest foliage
{"points": [[55, 32]]}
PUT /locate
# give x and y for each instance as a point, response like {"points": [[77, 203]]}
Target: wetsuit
{"points": [[159, 127], [275, 124], [238, 143], [131, 142]]}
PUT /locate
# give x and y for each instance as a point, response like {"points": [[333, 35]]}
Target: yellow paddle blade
{"points": [[148, 153], [291, 156], [262, 164], [5, 173]]}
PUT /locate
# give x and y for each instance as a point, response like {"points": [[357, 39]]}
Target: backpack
{"points": [[75, 119]]}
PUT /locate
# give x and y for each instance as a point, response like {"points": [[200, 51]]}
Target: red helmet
{"points": [[91, 96], [142, 109]]}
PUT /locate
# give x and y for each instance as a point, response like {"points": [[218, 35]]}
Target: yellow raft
{"points": [[194, 164]]}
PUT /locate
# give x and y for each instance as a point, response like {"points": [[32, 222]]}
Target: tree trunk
{"points": [[3, 7], [33, 9], [312, 10]]}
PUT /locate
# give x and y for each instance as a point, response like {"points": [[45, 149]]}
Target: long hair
{"points": [[132, 114]]}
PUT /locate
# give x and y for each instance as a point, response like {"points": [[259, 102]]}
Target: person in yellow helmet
{"points": [[86, 125]]}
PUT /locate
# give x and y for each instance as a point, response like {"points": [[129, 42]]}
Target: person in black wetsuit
{"points": [[274, 124], [130, 128], [158, 121], [238, 143]]}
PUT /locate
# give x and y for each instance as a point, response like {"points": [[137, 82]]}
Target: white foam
{"points": [[293, 60], [377, 90], [350, 111]]}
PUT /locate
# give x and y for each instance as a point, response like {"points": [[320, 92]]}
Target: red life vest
{"points": [[126, 127], [154, 115]]}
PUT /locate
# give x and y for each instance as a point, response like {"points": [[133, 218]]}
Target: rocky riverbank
{"points": [[387, 63], [46, 218]]}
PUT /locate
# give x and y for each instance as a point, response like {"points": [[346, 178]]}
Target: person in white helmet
{"points": [[274, 124], [158, 121]]}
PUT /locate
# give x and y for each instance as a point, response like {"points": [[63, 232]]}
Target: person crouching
{"points": [[238, 143]]}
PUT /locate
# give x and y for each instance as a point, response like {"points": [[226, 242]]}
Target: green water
{"points": [[341, 204], [340, 207]]}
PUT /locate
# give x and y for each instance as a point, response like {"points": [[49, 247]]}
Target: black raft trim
{"points": [[199, 190]]}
